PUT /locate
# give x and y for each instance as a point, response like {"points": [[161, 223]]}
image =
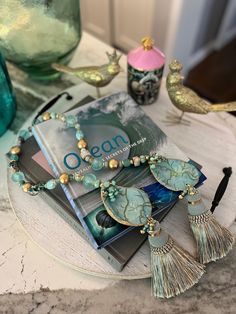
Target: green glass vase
{"points": [[7, 99], [36, 33]]}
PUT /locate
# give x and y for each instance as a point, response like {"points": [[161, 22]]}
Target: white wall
{"points": [[183, 29]]}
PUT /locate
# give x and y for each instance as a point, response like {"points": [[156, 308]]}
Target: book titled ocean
{"points": [[115, 127]]}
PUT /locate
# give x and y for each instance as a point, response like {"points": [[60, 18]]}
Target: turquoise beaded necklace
{"points": [[164, 170], [173, 269]]}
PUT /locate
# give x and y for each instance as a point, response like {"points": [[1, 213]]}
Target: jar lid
{"points": [[146, 57]]}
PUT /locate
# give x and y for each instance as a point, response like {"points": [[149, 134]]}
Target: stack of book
{"points": [[115, 127]]}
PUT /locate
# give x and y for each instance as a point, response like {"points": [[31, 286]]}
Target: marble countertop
{"points": [[25, 268]]}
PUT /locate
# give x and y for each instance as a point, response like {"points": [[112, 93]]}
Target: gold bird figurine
{"points": [[97, 76], [185, 99]]}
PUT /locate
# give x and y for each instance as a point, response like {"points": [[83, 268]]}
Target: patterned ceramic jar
{"points": [[145, 69]]}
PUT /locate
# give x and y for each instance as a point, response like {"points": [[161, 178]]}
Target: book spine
{"points": [[79, 229], [111, 255], [37, 136]]}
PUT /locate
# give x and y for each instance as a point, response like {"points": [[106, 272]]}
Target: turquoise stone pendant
{"points": [[174, 174], [129, 206]]}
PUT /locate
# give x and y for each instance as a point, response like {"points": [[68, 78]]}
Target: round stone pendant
{"points": [[131, 206], [175, 174]]}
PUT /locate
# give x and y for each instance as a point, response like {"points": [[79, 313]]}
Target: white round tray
{"points": [[53, 235]]}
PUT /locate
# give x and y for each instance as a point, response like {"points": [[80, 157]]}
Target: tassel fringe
{"points": [[213, 240], [174, 270]]}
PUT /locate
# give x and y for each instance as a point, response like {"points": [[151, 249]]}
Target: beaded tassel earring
{"points": [[213, 240], [173, 269]]}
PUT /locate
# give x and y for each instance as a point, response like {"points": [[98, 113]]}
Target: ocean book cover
{"points": [[36, 168], [115, 127]]}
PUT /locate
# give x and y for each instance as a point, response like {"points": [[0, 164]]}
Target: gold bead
{"points": [[82, 144], [90, 160], [78, 177], [15, 150], [64, 178], [46, 116], [26, 187], [113, 164]]}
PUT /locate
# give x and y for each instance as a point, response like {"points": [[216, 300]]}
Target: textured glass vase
{"points": [[36, 33], [7, 99]]}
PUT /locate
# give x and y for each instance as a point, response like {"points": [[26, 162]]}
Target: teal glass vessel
{"points": [[7, 99], [36, 33]]}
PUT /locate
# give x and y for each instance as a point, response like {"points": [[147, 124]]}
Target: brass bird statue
{"points": [[185, 99], [97, 76]]}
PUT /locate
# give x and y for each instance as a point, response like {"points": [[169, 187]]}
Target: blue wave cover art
{"points": [[115, 127]]}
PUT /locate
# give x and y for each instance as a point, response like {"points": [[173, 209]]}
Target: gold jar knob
{"points": [[147, 43]]}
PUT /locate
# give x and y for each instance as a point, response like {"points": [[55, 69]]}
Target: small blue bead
{"points": [[14, 157], [51, 184], [79, 135], [89, 180], [18, 176], [142, 159], [25, 134], [71, 120], [106, 184], [97, 183], [126, 163], [111, 189], [53, 115], [97, 164]]}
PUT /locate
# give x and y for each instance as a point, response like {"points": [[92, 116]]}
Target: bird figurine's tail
{"points": [[229, 106], [62, 68]]}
